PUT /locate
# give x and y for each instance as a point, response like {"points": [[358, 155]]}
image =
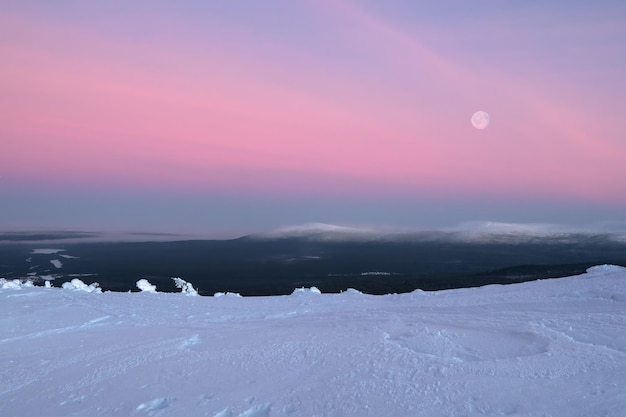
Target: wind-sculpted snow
{"points": [[303, 291], [543, 348], [145, 286], [15, 284], [78, 285]]}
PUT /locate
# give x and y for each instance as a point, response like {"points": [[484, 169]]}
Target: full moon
{"points": [[480, 119]]}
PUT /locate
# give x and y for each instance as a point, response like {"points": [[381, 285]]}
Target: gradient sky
{"points": [[226, 117]]}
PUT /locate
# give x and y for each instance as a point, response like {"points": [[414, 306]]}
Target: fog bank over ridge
{"points": [[466, 231], [479, 231]]}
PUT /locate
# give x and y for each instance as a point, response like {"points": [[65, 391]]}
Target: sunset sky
{"points": [[227, 117]]}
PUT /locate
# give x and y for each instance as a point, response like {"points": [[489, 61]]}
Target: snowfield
{"points": [[544, 348]]}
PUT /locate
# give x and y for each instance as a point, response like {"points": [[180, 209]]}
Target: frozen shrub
{"points": [[185, 286]]}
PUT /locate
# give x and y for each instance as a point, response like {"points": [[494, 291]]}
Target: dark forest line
{"points": [[252, 266]]}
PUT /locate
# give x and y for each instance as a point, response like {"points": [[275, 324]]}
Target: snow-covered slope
{"points": [[544, 348]]}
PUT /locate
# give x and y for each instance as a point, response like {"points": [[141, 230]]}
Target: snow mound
{"points": [[145, 286], [227, 294], [304, 291], [605, 268], [262, 410], [155, 405], [227, 412], [14, 284], [78, 285], [352, 291]]}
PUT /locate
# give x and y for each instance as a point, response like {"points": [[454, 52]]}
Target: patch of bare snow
{"points": [[45, 251]]}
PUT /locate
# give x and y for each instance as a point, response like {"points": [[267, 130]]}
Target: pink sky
{"points": [[336, 100]]}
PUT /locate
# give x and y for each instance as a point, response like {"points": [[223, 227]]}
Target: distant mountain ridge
{"points": [[469, 232], [329, 257], [319, 231], [475, 232]]}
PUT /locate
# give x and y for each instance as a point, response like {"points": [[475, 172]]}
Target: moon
{"points": [[480, 119]]}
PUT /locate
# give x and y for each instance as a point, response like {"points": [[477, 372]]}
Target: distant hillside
{"points": [[331, 259]]}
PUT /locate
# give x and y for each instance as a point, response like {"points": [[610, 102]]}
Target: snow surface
{"points": [[46, 251], [543, 348]]}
